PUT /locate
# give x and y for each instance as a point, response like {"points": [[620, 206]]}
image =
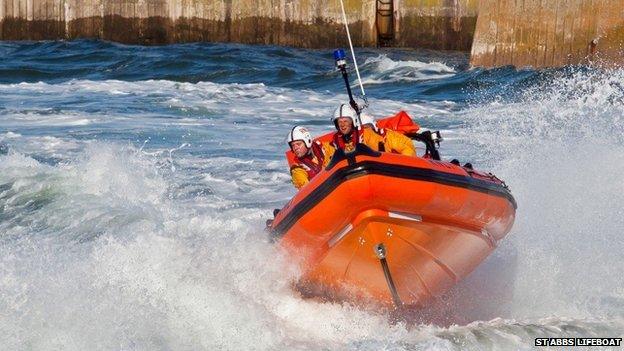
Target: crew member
{"points": [[310, 156], [349, 133]]}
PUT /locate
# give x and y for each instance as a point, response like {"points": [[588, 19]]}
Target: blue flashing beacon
{"points": [[340, 57]]}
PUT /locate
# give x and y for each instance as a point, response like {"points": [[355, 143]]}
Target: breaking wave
{"points": [[383, 70]]}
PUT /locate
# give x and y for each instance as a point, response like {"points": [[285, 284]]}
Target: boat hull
{"points": [[434, 221]]}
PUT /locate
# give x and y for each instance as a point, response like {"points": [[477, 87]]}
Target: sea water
{"points": [[135, 183]]}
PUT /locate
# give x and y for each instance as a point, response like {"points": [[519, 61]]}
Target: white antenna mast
{"points": [[357, 71]]}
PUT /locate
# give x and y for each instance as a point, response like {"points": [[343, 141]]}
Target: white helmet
{"points": [[345, 110], [367, 119], [299, 133]]}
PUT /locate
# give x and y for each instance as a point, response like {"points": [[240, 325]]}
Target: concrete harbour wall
{"points": [[436, 24], [548, 33], [538, 33], [303, 23]]}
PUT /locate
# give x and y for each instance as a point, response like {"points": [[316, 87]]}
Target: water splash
{"points": [[560, 149]]}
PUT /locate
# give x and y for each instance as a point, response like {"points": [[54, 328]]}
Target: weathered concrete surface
{"points": [[436, 24], [548, 33], [535, 33], [303, 23]]}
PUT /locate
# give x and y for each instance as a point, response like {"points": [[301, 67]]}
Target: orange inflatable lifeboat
{"points": [[392, 229]]}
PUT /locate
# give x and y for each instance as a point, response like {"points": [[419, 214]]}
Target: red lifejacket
{"points": [[307, 162], [339, 142]]}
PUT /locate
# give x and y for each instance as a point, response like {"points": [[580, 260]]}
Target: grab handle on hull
{"points": [[380, 251]]}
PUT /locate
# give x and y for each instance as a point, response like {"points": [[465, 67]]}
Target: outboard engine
{"points": [[431, 140]]}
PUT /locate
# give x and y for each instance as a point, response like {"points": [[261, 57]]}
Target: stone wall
{"points": [[536, 33], [302, 23], [548, 33], [436, 24]]}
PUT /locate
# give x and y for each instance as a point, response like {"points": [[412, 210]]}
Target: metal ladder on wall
{"points": [[385, 22]]}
